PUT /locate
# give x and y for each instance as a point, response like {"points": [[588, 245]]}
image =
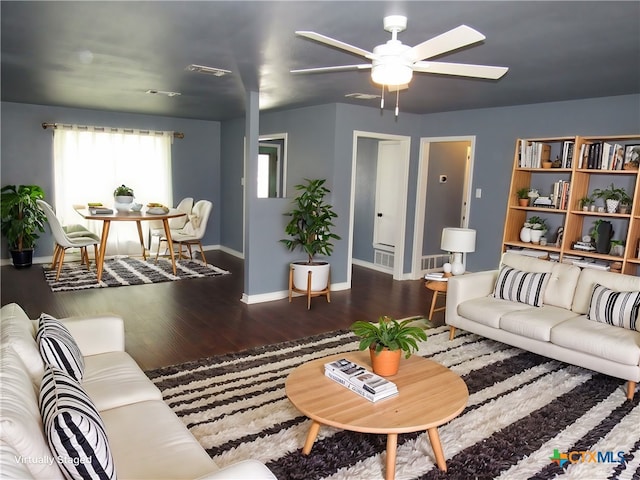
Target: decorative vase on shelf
{"points": [[525, 234], [612, 205], [535, 235], [604, 234]]}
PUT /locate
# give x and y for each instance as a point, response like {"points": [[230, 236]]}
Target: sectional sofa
{"points": [[584, 317], [92, 411]]}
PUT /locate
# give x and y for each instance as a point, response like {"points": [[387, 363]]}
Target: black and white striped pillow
{"points": [[58, 348], [615, 308], [74, 429], [523, 287]]}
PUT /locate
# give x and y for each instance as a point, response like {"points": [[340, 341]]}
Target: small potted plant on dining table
{"points": [[387, 340]]}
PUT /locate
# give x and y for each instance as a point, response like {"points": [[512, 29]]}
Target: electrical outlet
{"points": [[443, 179]]}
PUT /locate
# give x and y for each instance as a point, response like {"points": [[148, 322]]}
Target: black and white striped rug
{"points": [[524, 411], [123, 271]]}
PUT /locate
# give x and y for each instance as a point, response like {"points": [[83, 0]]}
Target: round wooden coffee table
{"points": [[429, 396]]}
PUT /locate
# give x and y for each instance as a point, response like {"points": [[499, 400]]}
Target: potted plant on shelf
{"points": [[22, 221], [585, 202], [387, 340], [538, 228], [523, 196], [310, 230], [123, 198], [612, 197]]}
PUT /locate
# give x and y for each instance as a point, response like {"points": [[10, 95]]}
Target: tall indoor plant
{"points": [[22, 221], [387, 340], [309, 229]]}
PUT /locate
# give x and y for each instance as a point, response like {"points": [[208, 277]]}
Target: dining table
{"points": [[129, 216]]}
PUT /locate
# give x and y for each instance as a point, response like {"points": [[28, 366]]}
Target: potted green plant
{"points": [[523, 196], [22, 221], [387, 340], [309, 229], [538, 227], [123, 198], [612, 196], [585, 202]]}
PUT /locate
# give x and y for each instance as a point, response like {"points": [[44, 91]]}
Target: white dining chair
{"points": [[193, 231], [63, 241], [156, 228]]}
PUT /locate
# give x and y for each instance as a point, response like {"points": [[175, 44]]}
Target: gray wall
{"points": [[27, 154], [444, 200], [208, 163]]}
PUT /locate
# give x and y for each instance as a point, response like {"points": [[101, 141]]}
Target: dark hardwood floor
{"points": [[173, 322]]}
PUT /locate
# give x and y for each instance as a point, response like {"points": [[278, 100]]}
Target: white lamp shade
{"points": [[458, 240]]}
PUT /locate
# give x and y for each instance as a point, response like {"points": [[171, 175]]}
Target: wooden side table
{"points": [[438, 287]]}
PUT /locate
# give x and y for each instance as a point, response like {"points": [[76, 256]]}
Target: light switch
{"points": [[478, 193]]}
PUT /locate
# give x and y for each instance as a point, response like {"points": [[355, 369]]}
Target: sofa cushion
{"points": [[58, 348], [114, 379], [149, 441], [21, 424], [488, 310], [18, 331], [535, 323], [619, 309], [589, 277], [562, 282], [518, 286], [74, 428], [598, 339]]}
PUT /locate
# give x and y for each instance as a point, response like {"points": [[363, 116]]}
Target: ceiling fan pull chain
{"points": [[382, 99], [397, 101]]}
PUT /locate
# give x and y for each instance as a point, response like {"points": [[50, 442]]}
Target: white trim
{"points": [[421, 193], [370, 266], [405, 145]]}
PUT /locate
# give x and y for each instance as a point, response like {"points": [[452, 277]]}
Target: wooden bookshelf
{"points": [[582, 166]]}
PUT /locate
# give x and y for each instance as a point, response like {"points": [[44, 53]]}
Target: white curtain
{"points": [[90, 164]]}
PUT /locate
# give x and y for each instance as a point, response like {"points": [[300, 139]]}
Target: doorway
{"points": [[369, 245], [443, 197]]}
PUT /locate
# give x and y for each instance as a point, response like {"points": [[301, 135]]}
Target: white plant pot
{"points": [[536, 235], [122, 203], [612, 205], [525, 234], [319, 275]]}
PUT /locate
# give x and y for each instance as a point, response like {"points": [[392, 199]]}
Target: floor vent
{"points": [[433, 262], [384, 259]]}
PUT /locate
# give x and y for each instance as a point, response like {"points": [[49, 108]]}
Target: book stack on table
{"points": [[359, 380]]}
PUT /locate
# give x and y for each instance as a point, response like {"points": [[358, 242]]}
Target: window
{"points": [[89, 164]]}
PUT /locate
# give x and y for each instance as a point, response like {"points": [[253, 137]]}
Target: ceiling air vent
{"points": [[216, 72], [362, 96]]}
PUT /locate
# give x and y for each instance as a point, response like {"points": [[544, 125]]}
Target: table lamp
{"points": [[458, 241]]}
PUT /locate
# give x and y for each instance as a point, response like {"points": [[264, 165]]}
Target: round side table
{"points": [[438, 287]]}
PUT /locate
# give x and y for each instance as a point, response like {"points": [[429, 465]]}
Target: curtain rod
{"points": [[46, 125]]}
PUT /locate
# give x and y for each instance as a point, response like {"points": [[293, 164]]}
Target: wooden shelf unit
{"points": [[575, 222]]}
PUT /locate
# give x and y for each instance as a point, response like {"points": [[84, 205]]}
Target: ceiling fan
{"points": [[393, 63]]}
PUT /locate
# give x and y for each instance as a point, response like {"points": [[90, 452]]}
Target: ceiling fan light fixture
{"points": [[391, 74]]}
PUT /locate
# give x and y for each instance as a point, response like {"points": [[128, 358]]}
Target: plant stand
{"points": [[308, 292]]}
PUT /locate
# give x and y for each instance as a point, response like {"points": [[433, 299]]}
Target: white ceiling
{"points": [[105, 55]]}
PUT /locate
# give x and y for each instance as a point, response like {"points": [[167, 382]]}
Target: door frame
{"points": [[405, 146], [421, 193]]}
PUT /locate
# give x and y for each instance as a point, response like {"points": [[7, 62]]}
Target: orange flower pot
{"points": [[385, 363]]}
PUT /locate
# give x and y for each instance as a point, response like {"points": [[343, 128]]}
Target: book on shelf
{"points": [[532, 154], [567, 154], [360, 380], [560, 194]]}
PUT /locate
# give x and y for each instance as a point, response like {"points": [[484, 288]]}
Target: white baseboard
{"points": [[371, 266], [230, 251]]}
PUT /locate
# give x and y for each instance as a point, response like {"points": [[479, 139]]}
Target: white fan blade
{"points": [[335, 43], [452, 40], [461, 69], [337, 68]]}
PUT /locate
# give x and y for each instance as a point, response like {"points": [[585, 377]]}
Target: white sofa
{"points": [[147, 440], [560, 328]]}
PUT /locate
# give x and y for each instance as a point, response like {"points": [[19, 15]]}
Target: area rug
{"points": [[527, 416], [123, 271]]}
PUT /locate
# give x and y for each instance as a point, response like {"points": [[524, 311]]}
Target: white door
{"points": [[388, 178]]}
